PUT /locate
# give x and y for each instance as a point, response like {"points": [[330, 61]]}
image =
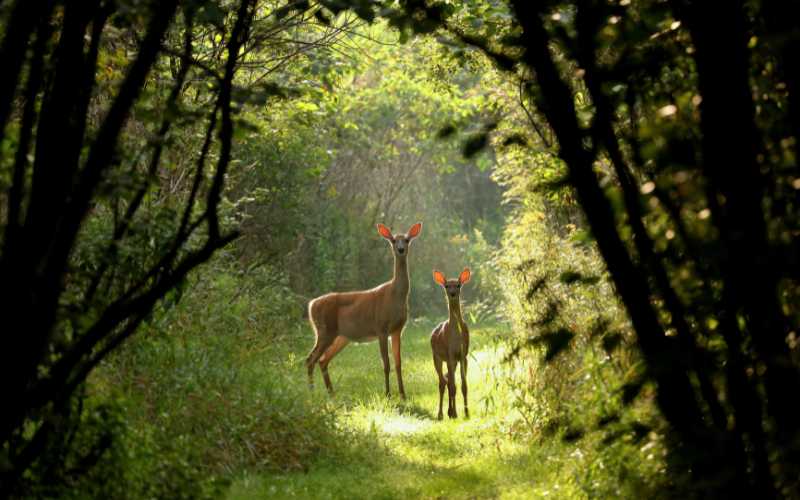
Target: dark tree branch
{"points": [[587, 27], [735, 196], [556, 102], [102, 150], [22, 20], [41, 269], [171, 111], [531, 119], [238, 36], [16, 193], [137, 309]]}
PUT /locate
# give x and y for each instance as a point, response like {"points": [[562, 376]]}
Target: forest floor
{"points": [[398, 449]]}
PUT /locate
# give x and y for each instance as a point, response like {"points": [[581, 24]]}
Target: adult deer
{"points": [[450, 343], [379, 313]]}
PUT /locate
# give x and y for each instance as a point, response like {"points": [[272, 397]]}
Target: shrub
{"points": [[207, 390]]}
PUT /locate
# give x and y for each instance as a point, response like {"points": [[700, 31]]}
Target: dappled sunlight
{"points": [[211, 230], [484, 355], [393, 425], [409, 452], [405, 451]]}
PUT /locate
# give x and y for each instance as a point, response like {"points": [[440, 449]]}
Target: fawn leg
{"points": [[383, 340], [437, 363], [464, 384], [398, 361], [451, 389]]}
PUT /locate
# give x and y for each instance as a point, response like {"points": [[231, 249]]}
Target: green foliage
{"points": [[490, 455], [110, 454], [339, 125], [551, 313], [322, 169], [208, 390], [573, 342], [664, 130]]}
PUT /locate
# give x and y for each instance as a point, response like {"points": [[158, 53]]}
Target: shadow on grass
{"points": [[393, 448], [413, 409], [389, 474]]}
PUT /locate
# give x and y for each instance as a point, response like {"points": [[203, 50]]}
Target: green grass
{"points": [[397, 449]]}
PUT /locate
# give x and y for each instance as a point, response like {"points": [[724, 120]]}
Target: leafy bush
{"points": [[576, 365], [108, 454], [206, 388]]}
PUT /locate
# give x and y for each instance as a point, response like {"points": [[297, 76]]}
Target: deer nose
{"points": [[401, 250]]}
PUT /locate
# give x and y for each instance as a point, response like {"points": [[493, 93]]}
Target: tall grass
{"points": [[211, 385], [211, 399]]}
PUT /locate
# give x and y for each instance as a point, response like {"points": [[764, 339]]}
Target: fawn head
{"points": [[452, 288], [400, 242]]}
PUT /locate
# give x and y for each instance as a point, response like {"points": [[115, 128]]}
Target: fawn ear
{"points": [[415, 230], [439, 277], [464, 276], [384, 231]]}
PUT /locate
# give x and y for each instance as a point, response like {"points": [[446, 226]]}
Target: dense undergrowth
{"points": [[179, 178], [210, 381], [211, 399]]}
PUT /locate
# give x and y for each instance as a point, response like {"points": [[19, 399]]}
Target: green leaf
{"points": [[573, 434], [631, 390], [571, 277], [555, 342], [611, 341], [607, 420], [475, 144], [446, 131]]}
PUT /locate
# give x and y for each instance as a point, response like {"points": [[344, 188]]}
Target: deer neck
{"points": [[455, 319], [400, 281]]}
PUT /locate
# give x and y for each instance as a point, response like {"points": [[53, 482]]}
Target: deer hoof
{"points": [[440, 417], [466, 413]]}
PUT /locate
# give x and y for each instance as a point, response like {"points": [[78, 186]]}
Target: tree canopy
{"points": [[622, 178]]}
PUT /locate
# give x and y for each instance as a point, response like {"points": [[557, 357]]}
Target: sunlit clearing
{"points": [[397, 424]]}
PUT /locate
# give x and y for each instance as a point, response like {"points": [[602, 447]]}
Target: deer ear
{"points": [[464, 276], [384, 231], [415, 230], [439, 278]]}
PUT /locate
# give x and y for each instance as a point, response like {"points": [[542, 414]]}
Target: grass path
{"points": [[399, 450]]}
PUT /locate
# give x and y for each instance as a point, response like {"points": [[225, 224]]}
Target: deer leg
{"points": [[311, 355], [321, 345], [437, 363], [383, 340], [337, 345], [464, 385], [398, 362], [310, 365], [451, 389]]}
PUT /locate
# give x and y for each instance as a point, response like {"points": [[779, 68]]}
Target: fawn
{"points": [[450, 343], [379, 313]]}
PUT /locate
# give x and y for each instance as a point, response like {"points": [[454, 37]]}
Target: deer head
{"points": [[400, 242], [452, 288]]}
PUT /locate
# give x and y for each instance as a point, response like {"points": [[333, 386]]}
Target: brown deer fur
{"points": [[450, 344], [379, 313]]}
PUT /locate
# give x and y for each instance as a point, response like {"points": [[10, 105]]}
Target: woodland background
{"points": [[179, 178]]}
